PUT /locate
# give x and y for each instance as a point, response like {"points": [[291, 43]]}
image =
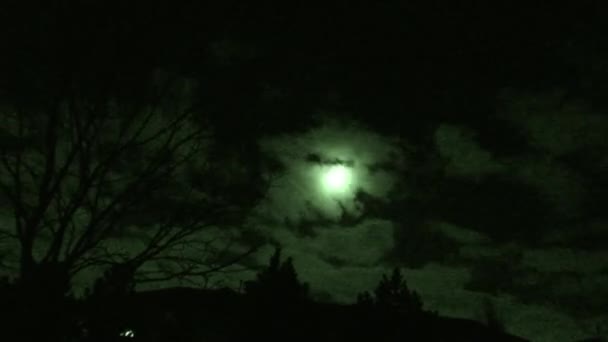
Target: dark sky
{"points": [[474, 134]]}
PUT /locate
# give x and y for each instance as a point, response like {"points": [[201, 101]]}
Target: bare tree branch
{"points": [[89, 177]]}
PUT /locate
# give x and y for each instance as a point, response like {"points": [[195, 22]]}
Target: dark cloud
{"points": [[463, 154], [459, 209]]}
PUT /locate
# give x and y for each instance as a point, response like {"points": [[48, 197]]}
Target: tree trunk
{"points": [[43, 309], [27, 263]]}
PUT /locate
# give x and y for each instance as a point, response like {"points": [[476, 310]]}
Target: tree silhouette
{"points": [[365, 300], [93, 181], [491, 316], [278, 282], [41, 307], [392, 312], [276, 298], [392, 295]]}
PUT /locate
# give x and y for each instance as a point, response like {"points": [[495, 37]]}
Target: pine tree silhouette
{"points": [[278, 282], [392, 295], [392, 312], [277, 297], [365, 300]]}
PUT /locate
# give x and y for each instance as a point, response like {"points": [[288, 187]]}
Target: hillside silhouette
{"points": [[275, 306]]}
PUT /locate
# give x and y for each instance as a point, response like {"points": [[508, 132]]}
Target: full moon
{"points": [[337, 179]]}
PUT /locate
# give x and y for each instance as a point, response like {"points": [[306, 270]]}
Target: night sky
{"points": [[465, 143]]}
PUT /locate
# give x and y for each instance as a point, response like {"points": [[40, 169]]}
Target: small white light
{"points": [[128, 333]]}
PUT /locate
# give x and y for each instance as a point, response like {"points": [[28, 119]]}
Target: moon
{"points": [[336, 179]]}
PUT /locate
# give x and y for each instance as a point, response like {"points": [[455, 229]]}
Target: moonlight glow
{"points": [[336, 179]]}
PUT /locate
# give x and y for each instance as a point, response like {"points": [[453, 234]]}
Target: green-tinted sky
{"points": [[473, 136], [480, 234]]}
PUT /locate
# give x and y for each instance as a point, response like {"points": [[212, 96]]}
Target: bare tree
{"points": [[89, 183]]}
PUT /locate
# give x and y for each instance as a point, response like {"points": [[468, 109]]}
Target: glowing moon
{"points": [[337, 179]]}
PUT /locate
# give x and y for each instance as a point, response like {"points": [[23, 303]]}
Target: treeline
{"points": [[276, 305]]}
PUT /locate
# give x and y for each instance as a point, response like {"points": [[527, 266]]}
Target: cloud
{"points": [[555, 259], [588, 234], [560, 185], [542, 324], [344, 284], [299, 195], [343, 261], [459, 234], [364, 245], [337, 260], [441, 288], [338, 263], [556, 126], [464, 155], [474, 252]]}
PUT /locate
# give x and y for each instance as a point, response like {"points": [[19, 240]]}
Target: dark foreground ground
{"points": [[185, 314], [182, 314]]}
